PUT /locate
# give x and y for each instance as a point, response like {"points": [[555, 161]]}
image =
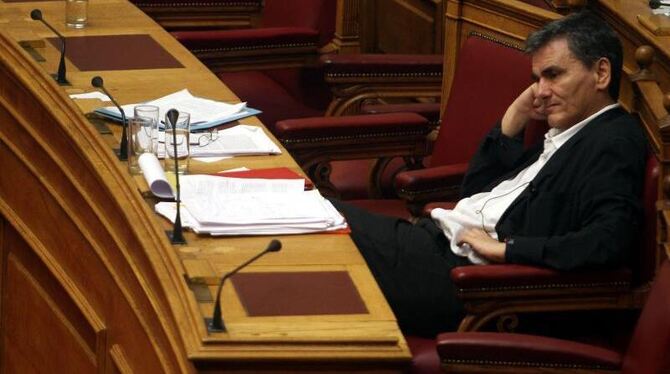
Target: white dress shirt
{"points": [[483, 210]]}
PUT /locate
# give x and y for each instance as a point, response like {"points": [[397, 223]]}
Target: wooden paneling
{"points": [[40, 321], [347, 28], [402, 26], [118, 363], [75, 275], [625, 16]]}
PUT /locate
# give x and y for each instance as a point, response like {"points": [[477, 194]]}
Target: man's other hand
{"points": [[528, 106], [483, 244]]}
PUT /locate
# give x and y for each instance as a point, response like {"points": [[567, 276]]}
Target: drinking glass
{"points": [[76, 13], [150, 112], [177, 139], [139, 141]]}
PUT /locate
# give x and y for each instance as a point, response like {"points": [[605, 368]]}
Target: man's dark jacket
{"points": [[583, 209]]}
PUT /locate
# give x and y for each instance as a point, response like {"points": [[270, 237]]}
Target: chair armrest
{"points": [[361, 130], [202, 15], [251, 39], [354, 68], [513, 281], [354, 137], [217, 48], [315, 142], [441, 183], [519, 351], [429, 110], [359, 78]]}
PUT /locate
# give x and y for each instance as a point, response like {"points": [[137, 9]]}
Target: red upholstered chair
{"points": [[276, 67], [647, 351], [500, 292], [273, 67], [495, 292], [489, 76], [424, 355]]}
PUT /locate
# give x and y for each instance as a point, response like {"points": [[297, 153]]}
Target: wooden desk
{"points": [[89, 280]]}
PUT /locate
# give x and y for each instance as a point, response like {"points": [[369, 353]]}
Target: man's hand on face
{"points": [[528, 106], [483, 244]]}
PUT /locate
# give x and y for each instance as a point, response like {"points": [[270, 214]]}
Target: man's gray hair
{"points": [[589, 39]]}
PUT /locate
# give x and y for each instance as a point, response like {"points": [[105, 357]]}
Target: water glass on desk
{"points": [[139, 141], [149, 112], [76, 13], [181, 133]]}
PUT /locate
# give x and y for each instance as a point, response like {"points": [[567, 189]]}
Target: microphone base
{"points": [[211, 329], [117, 152], [173, 240], [65, 83]]}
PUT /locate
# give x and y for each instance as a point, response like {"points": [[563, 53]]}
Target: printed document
{"points": [[205, 113]]}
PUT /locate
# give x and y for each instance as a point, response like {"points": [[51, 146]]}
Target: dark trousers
{"points": [[411, 263]]}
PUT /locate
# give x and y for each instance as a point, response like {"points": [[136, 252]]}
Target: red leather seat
{"points": [[276, 101], [424, 355], [501, 290], [491, 352], [488, 72]]}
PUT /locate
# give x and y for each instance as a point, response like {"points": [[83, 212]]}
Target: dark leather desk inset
{"points": [[117, 52], [298, 293]]}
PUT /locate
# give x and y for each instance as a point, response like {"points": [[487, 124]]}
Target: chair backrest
{"points": [[315, 14], [489, 76], [648, 349], [644, 259]]}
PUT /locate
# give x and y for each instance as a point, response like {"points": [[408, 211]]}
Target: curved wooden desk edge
{"points": [[63, 166]]}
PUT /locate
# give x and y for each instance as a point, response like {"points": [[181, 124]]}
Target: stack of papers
{"points": [[240, 140], [235, 206], [235, 141], [218, 205], [205, 113]]}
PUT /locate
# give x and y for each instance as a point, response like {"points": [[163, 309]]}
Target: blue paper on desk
{"points": [[205, 113]]}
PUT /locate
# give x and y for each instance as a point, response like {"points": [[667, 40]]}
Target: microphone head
{"points": [[172, 116], [97, 81], [274, 246], [654, 4], [36, 14]]}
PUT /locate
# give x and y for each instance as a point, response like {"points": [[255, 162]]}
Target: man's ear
{"points": [[603, 73]]}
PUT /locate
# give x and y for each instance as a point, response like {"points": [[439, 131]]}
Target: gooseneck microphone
{"points": [[177, 236], [655, 4], [36, 15], [97, 82], [217, 325]]}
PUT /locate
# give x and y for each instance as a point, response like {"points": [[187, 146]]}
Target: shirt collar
{"points": [[559, 137]]}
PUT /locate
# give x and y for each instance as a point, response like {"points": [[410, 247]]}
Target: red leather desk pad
{"points": [[116, 52], [298, 293]]}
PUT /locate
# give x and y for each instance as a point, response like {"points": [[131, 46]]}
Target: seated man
{"points": [[570, 202]]}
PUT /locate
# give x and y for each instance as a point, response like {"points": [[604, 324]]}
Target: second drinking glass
{"points": [[177, 138]]}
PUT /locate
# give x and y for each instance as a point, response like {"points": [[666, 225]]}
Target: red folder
{"points": [[269, 173]]}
